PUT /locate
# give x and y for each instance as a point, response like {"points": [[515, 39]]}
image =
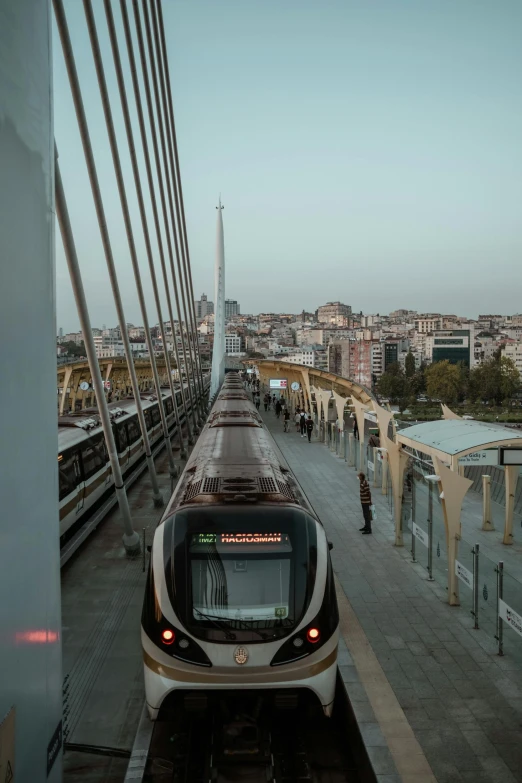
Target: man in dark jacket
{"points": [[309, 427], [366, 502]]}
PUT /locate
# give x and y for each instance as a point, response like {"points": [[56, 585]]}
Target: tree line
{"points": [[496, 381]]}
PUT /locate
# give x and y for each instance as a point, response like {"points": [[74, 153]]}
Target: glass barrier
{"points": [[512, 624]]}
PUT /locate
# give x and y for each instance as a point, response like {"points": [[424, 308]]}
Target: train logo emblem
{"points": [[241, 655]]}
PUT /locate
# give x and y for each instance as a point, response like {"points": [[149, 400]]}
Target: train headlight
{"points": [[183, 643], [298, 642], [313, 635], [168, 636]]}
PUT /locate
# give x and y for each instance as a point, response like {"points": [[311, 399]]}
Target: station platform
{"points": [[433, 700]]}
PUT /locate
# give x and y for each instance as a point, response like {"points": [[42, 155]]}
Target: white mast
{"points": [[218, 355]]}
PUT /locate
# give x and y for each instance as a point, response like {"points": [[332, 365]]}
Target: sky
{"points": [[364, 151]]}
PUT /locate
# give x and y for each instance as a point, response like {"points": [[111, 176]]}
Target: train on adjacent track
{"points": [[240, 592], [84, 472]]}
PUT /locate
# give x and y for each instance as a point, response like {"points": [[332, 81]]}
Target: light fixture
{"points": [[313, 635], [168, 636]]}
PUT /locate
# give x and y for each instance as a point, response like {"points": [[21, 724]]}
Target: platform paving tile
{"points": [[452, 688]]}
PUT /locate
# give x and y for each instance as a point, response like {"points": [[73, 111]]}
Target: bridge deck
{"points": [[432, 697]]}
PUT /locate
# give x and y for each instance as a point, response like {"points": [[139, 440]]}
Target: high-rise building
{"points": [[203, 307], [231, 308], [339, 357], [455, 345], [334, 313]]}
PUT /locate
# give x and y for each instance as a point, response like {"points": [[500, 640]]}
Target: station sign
{"points": [[509, 456], [420, 534], [278, 383], [463, 574], [484, 457]]}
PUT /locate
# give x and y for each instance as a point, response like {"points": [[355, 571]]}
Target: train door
{"points": [[135, 439], [94, 468], [71, 487], [122, 441]]}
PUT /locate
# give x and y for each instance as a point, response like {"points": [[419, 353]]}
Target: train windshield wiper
{"points": [[218, 622]]}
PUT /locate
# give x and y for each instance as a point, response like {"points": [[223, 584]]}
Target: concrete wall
{"points": [[30, 627]]}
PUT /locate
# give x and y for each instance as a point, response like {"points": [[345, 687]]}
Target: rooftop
{"points": [[453, 436]]}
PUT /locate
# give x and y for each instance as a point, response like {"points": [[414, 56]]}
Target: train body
{"points": [[84, 471], [240, 592]]}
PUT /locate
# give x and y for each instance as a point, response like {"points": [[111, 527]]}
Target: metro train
{"points": [[240, 592], [84, 471]]}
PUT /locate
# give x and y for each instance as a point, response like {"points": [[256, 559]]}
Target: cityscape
{"points": [[377, 351]]}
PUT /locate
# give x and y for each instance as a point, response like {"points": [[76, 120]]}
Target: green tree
{"points": [[509, 378], [409, 365], [74, 349], [393, 383], [495, 380], [443, 381]]}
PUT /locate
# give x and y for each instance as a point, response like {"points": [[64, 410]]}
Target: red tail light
{"points": [[168, 636], [313, 635]]}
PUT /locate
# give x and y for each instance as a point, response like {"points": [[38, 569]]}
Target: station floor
{"points": [[102, 597], [433, 699]]}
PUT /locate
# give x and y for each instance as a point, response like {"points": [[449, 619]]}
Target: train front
{"points": [[240, 598]]}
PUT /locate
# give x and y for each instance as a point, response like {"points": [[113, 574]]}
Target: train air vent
{"points": [[267, 484], [285, 490], [210, 486], [193, 490]]}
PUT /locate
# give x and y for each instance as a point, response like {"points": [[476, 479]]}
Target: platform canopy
{"points": [[456, 438]]}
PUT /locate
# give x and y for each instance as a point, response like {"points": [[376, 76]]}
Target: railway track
{"points": [[239, 737]]}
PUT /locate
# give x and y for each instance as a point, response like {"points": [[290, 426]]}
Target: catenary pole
{"points": [[91, 26], [131, 539], [139, 193]]}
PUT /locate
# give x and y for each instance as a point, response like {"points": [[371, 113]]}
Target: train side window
{"points": [[148, 419], [178, 399], [93, 457], [133, 431], [156, 418], [121, 434], [67, 473], [168, 407]]}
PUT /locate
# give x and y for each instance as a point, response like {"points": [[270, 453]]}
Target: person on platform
{"points": [[309, 427], [278, 408], [302, 423], [286, 420], [257, 400], [366, 502], [266, 400], [297, 419]]}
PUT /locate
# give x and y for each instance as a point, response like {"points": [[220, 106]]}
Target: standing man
{"points": [[309, 427], [286, 417], [366, 502], [302, 423]]}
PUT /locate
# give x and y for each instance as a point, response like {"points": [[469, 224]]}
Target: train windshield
{"points": [[251, 573]]}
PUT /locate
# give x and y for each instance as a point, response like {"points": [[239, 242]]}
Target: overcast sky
{"points": [[365, 151]]}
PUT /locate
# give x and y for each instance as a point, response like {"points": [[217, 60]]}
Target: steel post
{"points": [[500, 595], [413, 520], [475, 612], [430, 532]]}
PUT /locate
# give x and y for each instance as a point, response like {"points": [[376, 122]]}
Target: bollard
{"points": [[500, 595], [486, 503], [475, 612]]}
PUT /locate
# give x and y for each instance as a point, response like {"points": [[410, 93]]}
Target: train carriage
{"points": [[240, 592]]}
